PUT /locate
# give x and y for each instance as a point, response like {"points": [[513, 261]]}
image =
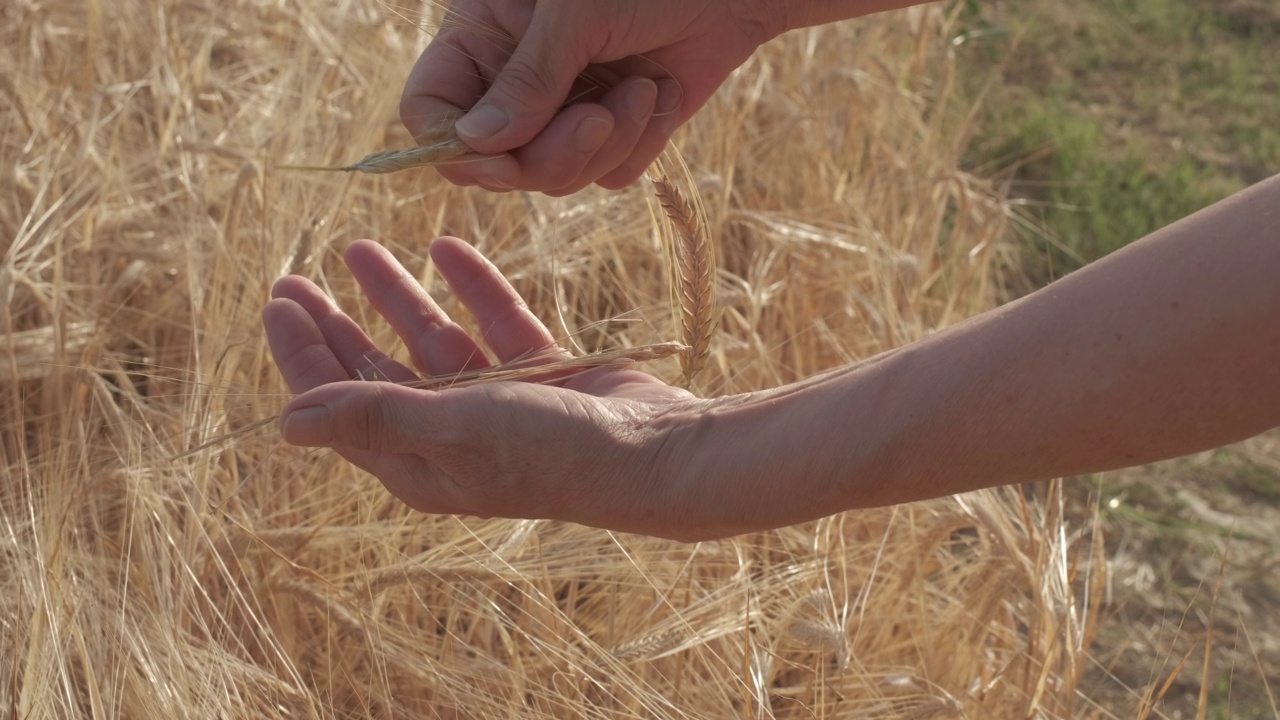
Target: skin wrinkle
{"points": [[314, 349], [368, 428], [633, 442], [420, 345], [577, 466], [374, 361], [761, 20]]}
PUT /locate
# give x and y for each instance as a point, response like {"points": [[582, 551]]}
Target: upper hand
{"points": [[587, 448], [563, 93]]}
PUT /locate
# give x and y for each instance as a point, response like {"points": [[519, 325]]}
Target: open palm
{"points": [[586, 447]]}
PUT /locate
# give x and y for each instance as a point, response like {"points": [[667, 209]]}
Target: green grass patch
{"points": [[1111, 119]]}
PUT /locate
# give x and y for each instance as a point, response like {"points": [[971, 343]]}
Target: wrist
{"points": [[784, 456]]}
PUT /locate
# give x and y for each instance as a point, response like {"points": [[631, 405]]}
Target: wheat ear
{"points": [[692, 275], [389, 161]]}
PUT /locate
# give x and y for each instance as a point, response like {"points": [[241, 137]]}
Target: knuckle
{"points": [[515, 311], [367, 423]]}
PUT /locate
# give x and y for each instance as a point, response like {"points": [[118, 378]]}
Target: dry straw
{"points": [[144, 219]]}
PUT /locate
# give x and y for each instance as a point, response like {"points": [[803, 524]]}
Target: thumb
{"points": [[534, 83], [375, 417]]}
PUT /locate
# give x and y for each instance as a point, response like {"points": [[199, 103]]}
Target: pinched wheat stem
{"points": [[389, 161]]}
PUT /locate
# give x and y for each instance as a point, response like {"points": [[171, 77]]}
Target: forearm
{"points": [[1167, 347]]}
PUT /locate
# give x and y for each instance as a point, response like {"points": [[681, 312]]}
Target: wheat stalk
{"points": [[520, 369]]}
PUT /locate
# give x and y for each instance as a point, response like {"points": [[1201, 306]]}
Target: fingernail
{"points": [[484, 121], [641, 98], [669, 96], [591, 134], [308, 426]]}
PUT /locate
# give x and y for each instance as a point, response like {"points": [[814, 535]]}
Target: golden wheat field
{"points": [[144, 216]]}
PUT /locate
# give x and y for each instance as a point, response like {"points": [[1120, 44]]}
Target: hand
{"points": [[567, 93], [587, 448]]}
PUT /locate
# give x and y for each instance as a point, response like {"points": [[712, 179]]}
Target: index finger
{"points": [[454, 71]]}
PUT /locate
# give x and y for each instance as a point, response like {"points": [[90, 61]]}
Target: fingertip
{"points": [[591, 133], [641, 99], [565, 191], [446, 244], [492, 129], [650, 145], [483, 122], [310, 426], [358, 246], [450, 253], [275, 289], [277, 310], [372, 265], [288, 286], [670, 96], [361, 249]]}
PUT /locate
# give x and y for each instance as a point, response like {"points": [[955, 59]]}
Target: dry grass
{"points": [[144, 221]]}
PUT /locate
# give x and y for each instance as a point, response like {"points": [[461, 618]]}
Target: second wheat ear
{"points": [[691, 268]]}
